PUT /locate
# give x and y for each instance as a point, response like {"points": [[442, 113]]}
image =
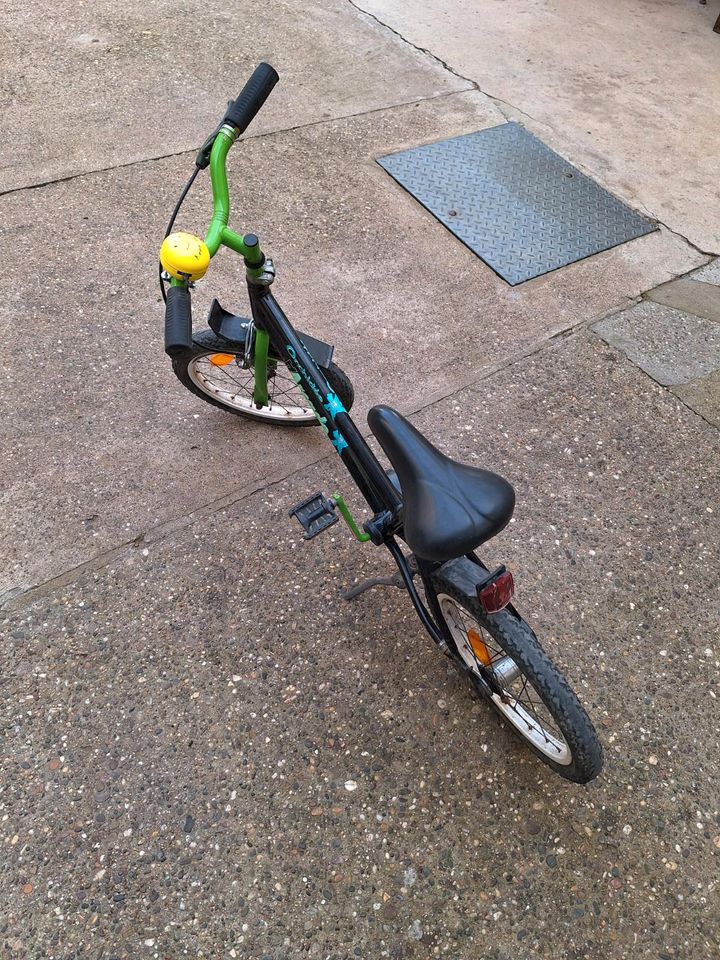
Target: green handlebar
{"points": [[221, 194], [219, 234]]}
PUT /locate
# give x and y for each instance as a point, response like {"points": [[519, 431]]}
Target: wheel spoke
{"points": [[234, 386], [225, 373], [519, 700], [523, 706]]}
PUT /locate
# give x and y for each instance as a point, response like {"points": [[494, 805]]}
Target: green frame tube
{"points": [[260, 365], [219, 234]]}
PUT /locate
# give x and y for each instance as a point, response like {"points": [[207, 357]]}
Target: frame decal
{"points": [[332, 404]]}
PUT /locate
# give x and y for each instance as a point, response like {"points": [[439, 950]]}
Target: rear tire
{"points": [[537, 704], [228, 386]]}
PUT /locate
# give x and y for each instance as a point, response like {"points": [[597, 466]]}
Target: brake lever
{"points": [[202, 160]]}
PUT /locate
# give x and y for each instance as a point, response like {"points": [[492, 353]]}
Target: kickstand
{"points": [[395, 581]]}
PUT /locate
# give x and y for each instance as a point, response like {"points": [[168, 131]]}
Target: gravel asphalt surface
{"points": [[208, 753]]}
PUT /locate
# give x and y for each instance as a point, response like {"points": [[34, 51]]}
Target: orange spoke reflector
{"points": [[478, 647], [221, 359]]}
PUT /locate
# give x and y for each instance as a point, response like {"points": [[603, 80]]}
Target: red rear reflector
{"points": [[498, 594]]}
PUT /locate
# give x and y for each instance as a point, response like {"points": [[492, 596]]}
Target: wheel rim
{"points": [[522, 705], [232, 385]]}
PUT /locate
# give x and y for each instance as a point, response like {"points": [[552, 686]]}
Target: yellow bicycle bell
{"points": [[184, 256]]}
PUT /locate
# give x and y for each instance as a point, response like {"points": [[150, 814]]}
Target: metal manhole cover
{"points": [[513, 201]]}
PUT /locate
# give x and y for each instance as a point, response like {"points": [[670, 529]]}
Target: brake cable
{"points": [[175, 212], [201, 162]]}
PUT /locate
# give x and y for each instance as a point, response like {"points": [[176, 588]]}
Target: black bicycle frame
{"points": [[364, 467], [362, 464]]}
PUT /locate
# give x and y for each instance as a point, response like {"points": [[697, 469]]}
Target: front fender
{"points": [[232, 328]]}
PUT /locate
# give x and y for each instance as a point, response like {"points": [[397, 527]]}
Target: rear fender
{"points": [[468, 574]]}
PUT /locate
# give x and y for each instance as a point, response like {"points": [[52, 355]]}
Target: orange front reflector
{"points": [[221, 359], [478, 647]]}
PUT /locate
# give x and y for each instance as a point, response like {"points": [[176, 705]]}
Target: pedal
{"points": [[315, 514]]}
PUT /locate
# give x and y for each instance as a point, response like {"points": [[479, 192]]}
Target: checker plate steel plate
{"points": [[513, 201]]}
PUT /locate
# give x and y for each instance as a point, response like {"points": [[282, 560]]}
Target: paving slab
{"points": [[104, 442], [703, 395], [207, 753], [689, 295], [622, 96], [669, 345], [87, 88], [710, 273]]}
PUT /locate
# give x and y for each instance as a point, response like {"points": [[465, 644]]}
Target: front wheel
{"points": [[535, 699], [214, 372]]}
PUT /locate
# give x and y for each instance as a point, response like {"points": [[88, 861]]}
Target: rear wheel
{"points": [[535, 700], [213, 371]]}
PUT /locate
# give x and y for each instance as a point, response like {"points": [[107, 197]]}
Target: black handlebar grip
{"points": [[253, 95], [178, 322]]}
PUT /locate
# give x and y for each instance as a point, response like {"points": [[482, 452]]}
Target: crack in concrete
{"points": [[711, 255], [676, 233], [503, 106], [509, 110], [685, 404], [17, 597], [664, 387], [192, 151]]}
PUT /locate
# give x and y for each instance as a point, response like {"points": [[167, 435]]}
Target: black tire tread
{"points": [[517, 638]]}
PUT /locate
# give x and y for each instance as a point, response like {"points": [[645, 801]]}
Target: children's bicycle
{"points": [[261, 367]]}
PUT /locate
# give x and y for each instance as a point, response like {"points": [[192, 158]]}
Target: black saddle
{"points": [[449, 508]]}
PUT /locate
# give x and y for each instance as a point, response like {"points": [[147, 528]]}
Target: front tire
{"points": [[536, 701], [213, 372]]}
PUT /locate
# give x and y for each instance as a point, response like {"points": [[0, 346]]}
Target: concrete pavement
{"points": [[185, 698], [622, 89], [95, 88], [120, 442]]}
